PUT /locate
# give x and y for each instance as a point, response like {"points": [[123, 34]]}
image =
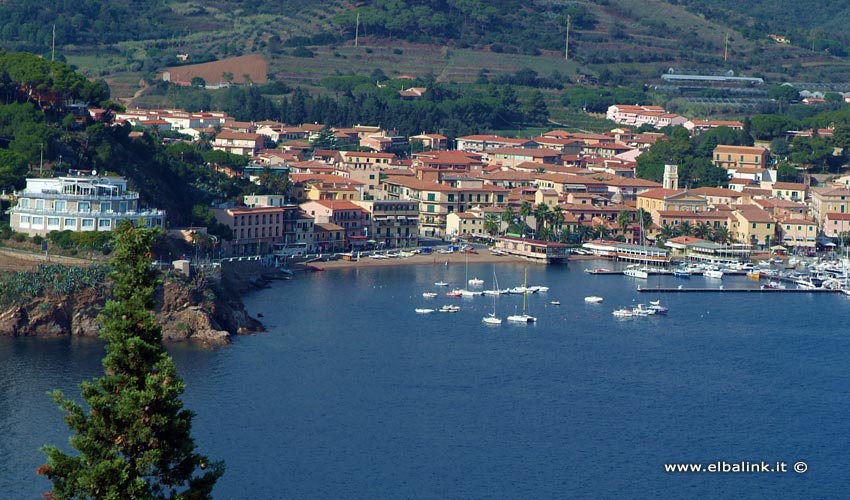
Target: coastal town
{"points": [[558, 190]]}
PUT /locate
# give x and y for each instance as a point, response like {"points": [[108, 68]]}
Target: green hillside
{"points": [[623, 41]]}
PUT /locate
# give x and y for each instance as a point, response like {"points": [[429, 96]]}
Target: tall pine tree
{"points": [[135, 442]]}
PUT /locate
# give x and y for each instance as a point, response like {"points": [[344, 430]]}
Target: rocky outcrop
{"points": [[200, 309]]}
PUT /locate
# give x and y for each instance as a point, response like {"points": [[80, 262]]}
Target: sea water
{"points": [[351, 394]]}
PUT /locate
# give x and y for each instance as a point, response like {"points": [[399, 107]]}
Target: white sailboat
{"points": [[636, 270], [524, 317], [491, 318]]}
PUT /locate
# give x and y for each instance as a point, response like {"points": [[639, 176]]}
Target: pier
{"points": [[736, 290]]}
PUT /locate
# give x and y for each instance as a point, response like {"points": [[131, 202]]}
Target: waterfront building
{"points": [[798, 232], [395, 223], [547, 252], [753, 226], [835, 225], [699, 250], [655, 200], [79, 203], [354, 219], [438, 199], [256, 230]]}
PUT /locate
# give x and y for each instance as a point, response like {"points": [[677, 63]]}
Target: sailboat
{"points": [[465, 292], [491, 318], [524, 317], [636, 270]]}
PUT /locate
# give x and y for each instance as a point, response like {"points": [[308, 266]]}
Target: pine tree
{"points": [[135, 441]]}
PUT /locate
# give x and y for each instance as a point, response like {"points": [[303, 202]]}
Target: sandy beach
{"points": [[482, 256], [419, 259]]}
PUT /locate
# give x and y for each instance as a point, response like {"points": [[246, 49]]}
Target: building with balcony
{"points": [[257, 230], [79, 203], [395, 223]]}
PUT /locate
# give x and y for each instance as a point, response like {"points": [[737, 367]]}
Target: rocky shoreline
{"points": [[205, 309]]}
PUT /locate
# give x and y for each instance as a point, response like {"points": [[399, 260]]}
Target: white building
{"points": [[78, 203]]}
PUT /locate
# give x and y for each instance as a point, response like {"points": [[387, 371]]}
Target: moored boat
{"points": [[422, 310], [593, 299]]}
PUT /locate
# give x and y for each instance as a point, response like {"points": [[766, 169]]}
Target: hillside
{"points": [[126, 41]]}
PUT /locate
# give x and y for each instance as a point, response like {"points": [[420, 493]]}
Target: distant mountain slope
{"points": [[629, 39]]}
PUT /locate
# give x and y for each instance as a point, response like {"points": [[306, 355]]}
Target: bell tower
{"points": [[671, 177]]}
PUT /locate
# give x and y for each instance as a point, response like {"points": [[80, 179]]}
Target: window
{"points": [[84, 207], [451, 197], [59, 206], [431, 197], [88, 223], [70, 222], [38, 221], [53, 222], [25, 219], [429, 208], [104, 223], [39, 204], [105, 207], [24, 203]]}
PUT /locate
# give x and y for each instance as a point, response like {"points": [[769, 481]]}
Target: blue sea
{"points": [[351, 394]]}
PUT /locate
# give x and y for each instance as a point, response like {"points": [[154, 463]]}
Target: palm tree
{"points": [[624, 218], [491, 224], [646, 217], [541, 214], [556, 218], [525, 210], [703, 230], [723, 236], [686, 229]]}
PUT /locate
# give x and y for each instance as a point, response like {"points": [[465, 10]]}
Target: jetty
{"points": [[735, 290]]}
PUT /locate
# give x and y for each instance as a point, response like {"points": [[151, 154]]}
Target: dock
{"points": [[736, 290]]}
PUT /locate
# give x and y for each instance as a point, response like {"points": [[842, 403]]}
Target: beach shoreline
{"points": [[422, 259]]}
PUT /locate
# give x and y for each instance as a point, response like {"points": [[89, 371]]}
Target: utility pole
{"points": [[567, 48], [726, 48], [53, 48]]}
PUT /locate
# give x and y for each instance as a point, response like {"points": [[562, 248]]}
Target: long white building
{"points": [[78, 203]]}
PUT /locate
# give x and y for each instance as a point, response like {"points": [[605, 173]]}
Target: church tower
{"points": [[671, 177]]}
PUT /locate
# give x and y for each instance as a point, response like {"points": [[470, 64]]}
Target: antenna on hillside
{"points": [[356, 29], [567, 48]]}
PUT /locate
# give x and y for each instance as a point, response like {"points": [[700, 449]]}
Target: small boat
{"points": [[681, 273], [657, 308], [771, 285], [538, 288], [600, 270], [449, 309], [555, 302], [491, 319], [593, 299], [454, 293], [642, 310], [441, 283], [635, 271], [429, 295], [713, 273], [524, 317], [470, 293], [476, 282], [754, 275], [623, 312], [423, 311]]}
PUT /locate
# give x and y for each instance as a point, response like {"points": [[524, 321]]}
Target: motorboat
{"points": [[449, 308], [681, 273], [642, 310], [636, 271], [623, 312], [593, 299], [475, 282], [423, 310], [441, 283], [454, 293], [555, 302], [713, 273], [657, 308], [429, 295]]}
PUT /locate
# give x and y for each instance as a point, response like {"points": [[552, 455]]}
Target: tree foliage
{"points": [[135, 442]]}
